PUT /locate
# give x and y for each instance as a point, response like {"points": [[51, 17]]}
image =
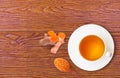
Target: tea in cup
{"points": [[92, 47]]}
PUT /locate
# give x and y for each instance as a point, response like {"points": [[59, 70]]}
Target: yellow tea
{"points": [[92, 47]]}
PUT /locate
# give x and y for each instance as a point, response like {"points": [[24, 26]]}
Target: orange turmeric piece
{"points": [[51, 33], [62, 64], [53, 36], [61, 35]]}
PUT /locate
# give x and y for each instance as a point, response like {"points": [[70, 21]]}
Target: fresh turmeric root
{"points": [[51, 38], [46, 41], [61, 36]]}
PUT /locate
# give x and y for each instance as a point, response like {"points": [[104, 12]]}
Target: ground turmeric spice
{"points": [[62, 64]]}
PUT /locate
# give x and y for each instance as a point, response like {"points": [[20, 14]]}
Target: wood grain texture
{"points": [[23, 23]]}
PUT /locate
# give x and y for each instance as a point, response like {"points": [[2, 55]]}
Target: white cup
{"points": [[74, 42]]}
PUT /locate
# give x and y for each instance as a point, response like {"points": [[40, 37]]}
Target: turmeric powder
{"points": [[62, 64]]}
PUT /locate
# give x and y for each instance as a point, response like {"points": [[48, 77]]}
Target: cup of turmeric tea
{"points": [[91, 47]]}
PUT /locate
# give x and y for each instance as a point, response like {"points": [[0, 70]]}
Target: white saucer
{"points": [[78, 35]]}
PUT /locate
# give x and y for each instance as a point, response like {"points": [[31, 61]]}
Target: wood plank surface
{"points": [[28, 20]]}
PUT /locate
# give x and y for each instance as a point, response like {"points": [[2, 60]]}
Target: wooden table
{"points": [[23, 23]]}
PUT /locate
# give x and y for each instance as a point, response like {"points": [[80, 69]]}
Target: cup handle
{"points": [[108, 54]]}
